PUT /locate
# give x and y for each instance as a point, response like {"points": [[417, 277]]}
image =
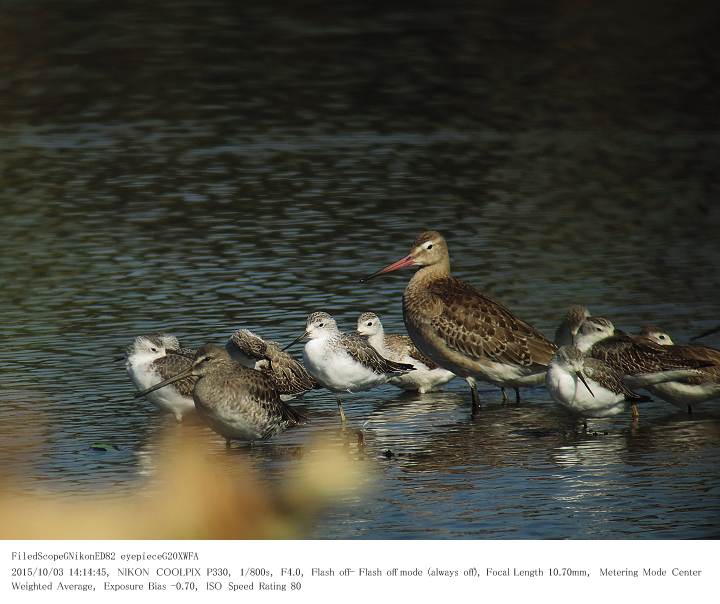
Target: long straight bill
{"points": [[402, 263], [183, 374], [295, 341], [582, 379]]}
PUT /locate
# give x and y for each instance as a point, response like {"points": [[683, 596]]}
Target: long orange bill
{"points": [[582, 379], [183, 374], [295, 341], [402, 263]]}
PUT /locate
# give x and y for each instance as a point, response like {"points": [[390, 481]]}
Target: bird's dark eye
{"points": [[370, 324], [429, 247], [662, 337], [321, 325], [598, 329], [153, 349]]}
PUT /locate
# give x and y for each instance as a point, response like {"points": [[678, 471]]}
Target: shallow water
{"points": [[199, 167]]}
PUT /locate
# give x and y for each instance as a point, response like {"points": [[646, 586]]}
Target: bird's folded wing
{"points": [[609, 379], [288, 374], [172, 364], [361, 351], [481, 328]]}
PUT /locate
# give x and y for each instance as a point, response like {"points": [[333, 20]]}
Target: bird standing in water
{"points": [[691, 391], [588, 387], [400, 348], [344, 362], [641, 361], [290, 377], [154, 358], [463, 330], [237, 402]]}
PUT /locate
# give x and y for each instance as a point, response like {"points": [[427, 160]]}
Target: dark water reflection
{"points": [[198, 167]]}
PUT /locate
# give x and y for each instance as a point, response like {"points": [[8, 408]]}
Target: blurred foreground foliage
{"points": [[193, 495]]}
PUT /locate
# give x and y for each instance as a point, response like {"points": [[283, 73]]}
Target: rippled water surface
{"points": [[197, 167]]}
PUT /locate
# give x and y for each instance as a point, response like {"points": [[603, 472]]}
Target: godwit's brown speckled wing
{"points": [[609, 378], [404, 346], [480, 328], [633, 355], [359, 349], [172, 364]]}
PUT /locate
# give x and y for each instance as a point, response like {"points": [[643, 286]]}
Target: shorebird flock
{"points": [[242, 390]]}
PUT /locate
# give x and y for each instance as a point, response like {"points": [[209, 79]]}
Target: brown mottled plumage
{"points": [[643, 362], [571, 322], [708, 375], [235, 401], [588, 387], [359, 349], [476, 326], [290, 377], [398, 345], [404, 346], [172, 364], [427, 375], [463, 330], [250, 344], [636, 355], [692, 390], [610, 378], [710, 357]]}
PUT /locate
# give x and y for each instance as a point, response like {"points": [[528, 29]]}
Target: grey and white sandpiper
{"points": [[291, 378], [237, 402], [154, 358], [642, 362], [588, 387], [344, 362], [400, 348]]}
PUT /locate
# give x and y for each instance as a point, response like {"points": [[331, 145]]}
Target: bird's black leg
{"points": [[343, 419], [474, 394]]}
